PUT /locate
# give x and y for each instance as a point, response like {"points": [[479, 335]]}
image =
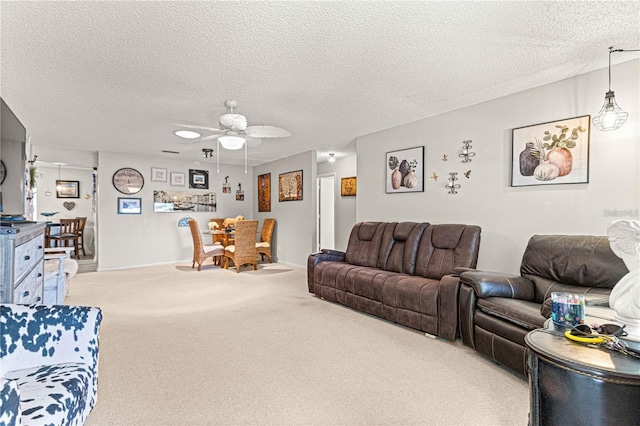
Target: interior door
{"points": [[326, 212]]}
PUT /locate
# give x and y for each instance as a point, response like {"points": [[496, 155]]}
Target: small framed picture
{"points": [[177, 179], [67, 189], [239, 195], [226, 188], [129, 205], [198, 179], [158, 174], [348, 188]]}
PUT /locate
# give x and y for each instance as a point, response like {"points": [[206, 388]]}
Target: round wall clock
{"points": [[128, 180], [3, 172]]}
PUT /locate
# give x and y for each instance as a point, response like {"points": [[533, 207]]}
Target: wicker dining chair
{"points": [[200, 251], [263, 247], [67, 236], [243, 252]]}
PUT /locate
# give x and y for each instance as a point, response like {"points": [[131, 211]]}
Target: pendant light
{"points": [[58, 184], [611, 116]]}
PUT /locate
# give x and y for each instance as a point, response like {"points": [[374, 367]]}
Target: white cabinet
{"points": [[22, 268]]}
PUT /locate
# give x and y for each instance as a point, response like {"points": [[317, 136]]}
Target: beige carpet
{"points": [[181, 347]]}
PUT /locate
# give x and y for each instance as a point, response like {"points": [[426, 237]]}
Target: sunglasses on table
{"points": [[597, 330], [603, 335]]}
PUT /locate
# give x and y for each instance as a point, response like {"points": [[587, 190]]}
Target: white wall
{"points": [[345, 207], [295, 230], [154, 238], [510, 216]]}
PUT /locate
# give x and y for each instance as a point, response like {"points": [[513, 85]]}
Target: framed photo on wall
{"points": [[129, 205], [551, 153], [158, 174], [405, 170], [67, 189], [290, 186], [177, 179], [264, 192], [198, 179]]}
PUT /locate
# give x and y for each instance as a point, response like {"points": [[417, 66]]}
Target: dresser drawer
{"points": [[27, 255], [29, 291]]}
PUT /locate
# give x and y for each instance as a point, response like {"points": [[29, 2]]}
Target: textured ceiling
{"points": [[117, 76]]}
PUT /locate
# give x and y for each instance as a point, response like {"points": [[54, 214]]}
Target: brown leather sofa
{"points": [[497, 310], [403, 272]]}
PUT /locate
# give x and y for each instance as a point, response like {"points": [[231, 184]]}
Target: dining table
{"points": [[216, 233]]}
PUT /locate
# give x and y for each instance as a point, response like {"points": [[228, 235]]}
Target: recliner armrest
{"points": [[10, 412], [324, 255], [496, 284]]}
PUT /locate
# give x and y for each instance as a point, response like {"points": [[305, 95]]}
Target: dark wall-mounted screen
{"points": [[14, 160]]}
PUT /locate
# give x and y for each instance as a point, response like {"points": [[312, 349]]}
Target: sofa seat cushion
{"points": [[53, 394], [520, 312]]}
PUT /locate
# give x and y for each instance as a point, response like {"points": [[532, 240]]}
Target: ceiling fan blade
{"points": [[189, 126], [253, 142], [266, 132]]}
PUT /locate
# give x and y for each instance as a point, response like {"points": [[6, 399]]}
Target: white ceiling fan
{"points": [[234, 130]]}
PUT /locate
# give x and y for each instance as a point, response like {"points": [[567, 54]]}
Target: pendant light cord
{"points": [[612, 50]]}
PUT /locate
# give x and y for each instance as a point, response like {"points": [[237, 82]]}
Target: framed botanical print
{"points": [[405, 170], [551, 153], [290, 186]]}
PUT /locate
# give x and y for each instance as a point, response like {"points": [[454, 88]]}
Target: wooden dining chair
{"points": [[263, 247], [83, 222], [200, 251], [243, 251], [67, 235]]}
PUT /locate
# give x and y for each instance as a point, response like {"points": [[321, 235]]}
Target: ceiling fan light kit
{"points": [[232, 142]]}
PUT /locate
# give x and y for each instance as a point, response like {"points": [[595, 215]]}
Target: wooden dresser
{"points": [[22, 268]]}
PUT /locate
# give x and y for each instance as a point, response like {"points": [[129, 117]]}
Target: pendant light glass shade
{"points": [[231, 141], [610, 116]]}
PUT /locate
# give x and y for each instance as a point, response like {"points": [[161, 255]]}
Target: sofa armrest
{"points": [[496, 284], [324, 255], [448, 307], [10, 412], [38, 335]]}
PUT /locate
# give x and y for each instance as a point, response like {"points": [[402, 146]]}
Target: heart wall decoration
{"points": [[69, 205]]}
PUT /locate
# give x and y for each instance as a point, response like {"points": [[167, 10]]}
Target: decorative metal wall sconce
{"points": [[207, 152], [466, 154], [35, 157], [452, 186]]}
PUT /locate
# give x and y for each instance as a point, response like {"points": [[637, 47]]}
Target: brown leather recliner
{"points": [[497, 310]]}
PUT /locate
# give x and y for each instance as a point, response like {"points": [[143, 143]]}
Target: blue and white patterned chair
{"points": [[48, 364]]}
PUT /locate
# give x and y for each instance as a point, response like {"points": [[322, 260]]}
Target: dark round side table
{"points": [[573, 383]]}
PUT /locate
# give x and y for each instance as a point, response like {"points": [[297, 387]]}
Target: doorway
{"points": [[326, 212]]}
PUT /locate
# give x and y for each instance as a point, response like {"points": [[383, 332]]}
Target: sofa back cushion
{"points": [[399, 248], [364, 244], [443, 248], [577, 263]]}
